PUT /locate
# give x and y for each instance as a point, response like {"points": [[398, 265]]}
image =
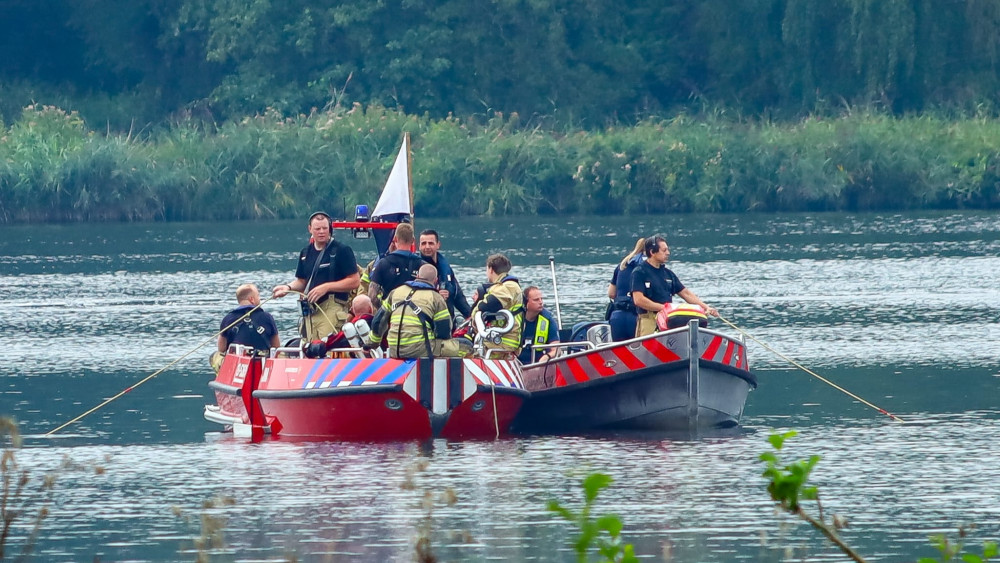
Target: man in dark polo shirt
{"points": [[247, 324], [654, 285], [326, 274]]}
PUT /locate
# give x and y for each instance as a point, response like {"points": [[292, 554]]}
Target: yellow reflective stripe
{"points": [[511, 342], [406, 341]]}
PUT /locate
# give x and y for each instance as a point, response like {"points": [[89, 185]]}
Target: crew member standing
{"points": [[654, 285], [395, 268], [623, 314], [327, 272], [448, 286]]}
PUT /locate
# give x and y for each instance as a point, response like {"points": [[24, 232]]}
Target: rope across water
{"points": [[213, 338], [810, 372]]}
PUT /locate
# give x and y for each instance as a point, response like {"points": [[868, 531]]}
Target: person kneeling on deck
{"points": [[503, 292], [247, 324], [654, 285], [415, 321]]}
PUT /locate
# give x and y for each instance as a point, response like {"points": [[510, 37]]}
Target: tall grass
{"points": [[54, 168]]}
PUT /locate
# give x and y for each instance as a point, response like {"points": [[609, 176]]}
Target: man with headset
{"points": [[654, 285], [540, 327], [326, 274]]}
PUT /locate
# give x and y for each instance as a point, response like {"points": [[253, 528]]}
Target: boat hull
{"points": [[371, 399], [643, 384]]}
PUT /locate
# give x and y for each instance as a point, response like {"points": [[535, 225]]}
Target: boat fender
{"points": [[675, 315]]}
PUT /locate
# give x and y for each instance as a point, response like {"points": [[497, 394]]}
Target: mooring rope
{"points": [[213, 338], [810, 372]]}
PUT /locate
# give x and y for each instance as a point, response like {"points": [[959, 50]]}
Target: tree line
{"points": [[202, 109], [583, 62]]}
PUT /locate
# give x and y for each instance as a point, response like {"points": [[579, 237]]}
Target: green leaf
{"points": [[610, 523], [990, 549], [593, 484], [609, 551], [554, 506], [972, 558]]}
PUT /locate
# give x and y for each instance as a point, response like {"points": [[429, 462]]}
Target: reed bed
{"points": [[55, 167]]}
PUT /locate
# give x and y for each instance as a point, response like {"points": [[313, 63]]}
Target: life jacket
{"points": [[676, 315], [320, 275], [248, 333], [541, 335], [542, 329]]}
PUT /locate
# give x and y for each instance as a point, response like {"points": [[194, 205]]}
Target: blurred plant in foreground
{"points": [[788, 487], [611, 547], [16, 498]]}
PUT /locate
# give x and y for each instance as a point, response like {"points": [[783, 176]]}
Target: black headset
{"points": [[653, 243], [323, 213]]}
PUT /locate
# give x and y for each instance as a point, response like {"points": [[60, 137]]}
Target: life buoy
{"points": [[675, 315]]}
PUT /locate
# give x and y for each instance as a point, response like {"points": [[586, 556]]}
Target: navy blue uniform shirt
{"points": [[657, 284]]}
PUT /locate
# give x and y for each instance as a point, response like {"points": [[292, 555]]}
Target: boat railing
{"points": [[298, 353], [240, 349], [561, 346], [287, 352], [584, 347]]}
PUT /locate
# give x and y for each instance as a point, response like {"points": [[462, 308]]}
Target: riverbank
{"points": [[54, 168]]}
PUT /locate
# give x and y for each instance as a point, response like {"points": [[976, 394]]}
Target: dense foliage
{"points": [[586, 62], [200, 109], [270, 166]]}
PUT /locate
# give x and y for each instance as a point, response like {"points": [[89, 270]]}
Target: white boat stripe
{"points": [[509, 369], [410, 383], [497, 372], [439, 403], [517, 373], [477, 372], [468, 385]]}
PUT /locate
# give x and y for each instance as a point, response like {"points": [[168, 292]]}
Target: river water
{"points": [[900, 310]]}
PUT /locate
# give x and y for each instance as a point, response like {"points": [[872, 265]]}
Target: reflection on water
{"points": [[898, 309]]}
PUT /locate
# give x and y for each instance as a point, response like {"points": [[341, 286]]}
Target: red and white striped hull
{"points": [[680, 379], [369, 399]]}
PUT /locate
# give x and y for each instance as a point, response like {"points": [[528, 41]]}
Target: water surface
{"points": [[899, 309]]}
